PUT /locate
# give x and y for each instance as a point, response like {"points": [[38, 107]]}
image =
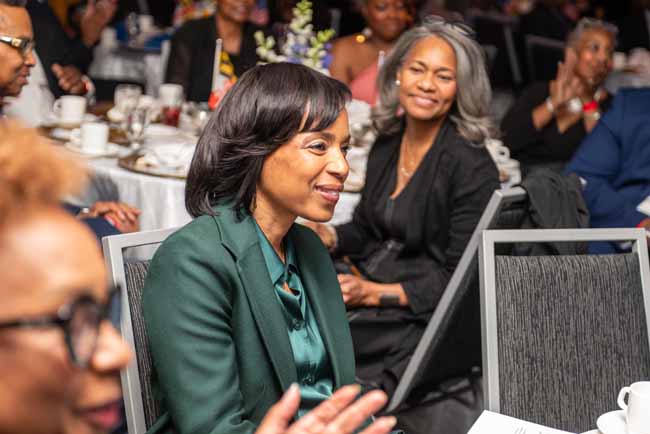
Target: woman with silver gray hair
{"points": [[428, 180], [548, 122]]}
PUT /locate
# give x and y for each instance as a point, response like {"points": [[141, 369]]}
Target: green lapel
{"points": [[240, 239], [319, 279]]}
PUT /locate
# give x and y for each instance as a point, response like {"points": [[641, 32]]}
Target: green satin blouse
{"points": [[310, 357]]}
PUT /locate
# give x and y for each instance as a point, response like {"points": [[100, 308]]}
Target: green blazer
{"points": [[217, 334]]}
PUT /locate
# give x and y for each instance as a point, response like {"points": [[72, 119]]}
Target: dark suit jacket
{"points": [[217, 333], [191, 58], [459, 179], [615, 161], [54, 45]]}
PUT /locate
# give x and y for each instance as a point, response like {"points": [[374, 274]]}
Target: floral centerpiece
{"points": [[302, 44]]}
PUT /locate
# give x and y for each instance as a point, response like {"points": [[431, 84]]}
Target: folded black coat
{"points": [[554, 202]]}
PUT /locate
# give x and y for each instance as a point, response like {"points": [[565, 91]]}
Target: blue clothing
{"points": [[309, 354], [614, 160], [98, 225]]}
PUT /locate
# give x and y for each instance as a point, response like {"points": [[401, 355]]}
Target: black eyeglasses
{"points": [[457, 25], [24, 45], [80, 322]]}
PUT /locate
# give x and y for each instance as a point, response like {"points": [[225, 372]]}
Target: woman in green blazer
{"points": [[241, 303]]}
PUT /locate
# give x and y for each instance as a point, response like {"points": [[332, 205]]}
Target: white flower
{"points": [[301, 44]]}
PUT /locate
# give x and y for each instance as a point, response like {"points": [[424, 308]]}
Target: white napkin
{"points": [[171, 156]]}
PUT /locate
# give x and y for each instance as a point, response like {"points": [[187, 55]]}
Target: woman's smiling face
{"points": [[304, 177], [427, 79]]}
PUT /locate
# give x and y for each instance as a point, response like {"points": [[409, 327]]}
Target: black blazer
{"points": [[191, 59], [458, 180], [53, 44]]}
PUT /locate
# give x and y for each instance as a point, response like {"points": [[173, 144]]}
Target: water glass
{"points": [[136, 123], [126, 97]]}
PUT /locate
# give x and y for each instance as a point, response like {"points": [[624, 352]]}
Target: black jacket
{"points": [[545, 147], [53, 44], [191, 59], [554, 202], [455, 185]]}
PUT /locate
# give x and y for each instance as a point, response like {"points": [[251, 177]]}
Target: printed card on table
{"points": [[491, 423]]}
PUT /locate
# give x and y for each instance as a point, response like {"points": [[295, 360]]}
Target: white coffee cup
{"points": [[170, 95], [499, 152], [109, 37], [637, 409], [92, 137], [70, 110]]}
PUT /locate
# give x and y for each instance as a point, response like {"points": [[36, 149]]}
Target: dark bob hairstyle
{"points": [[265, 109]]}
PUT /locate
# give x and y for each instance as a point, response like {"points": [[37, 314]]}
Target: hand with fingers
{"points": [[70, 79], [340, 414], [353, 289], [124, 217], [566, 85]]}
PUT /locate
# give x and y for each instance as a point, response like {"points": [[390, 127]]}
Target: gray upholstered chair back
{"points": [[135, 274], [505, 210], [140, 406], [570, 331]]}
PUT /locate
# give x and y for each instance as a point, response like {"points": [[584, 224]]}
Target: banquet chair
{"points": [[499, 30], [141, 408], [505, 209], [542, 57], [562, 334]]}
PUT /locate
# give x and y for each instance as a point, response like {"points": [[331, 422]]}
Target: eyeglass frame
{"points": [[63, 317], [23, 45]]}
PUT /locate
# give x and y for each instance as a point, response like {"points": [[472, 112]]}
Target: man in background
{"points": [[16, 47]]}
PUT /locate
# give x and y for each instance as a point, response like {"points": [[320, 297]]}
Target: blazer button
{"points": [[308, 380], [297, 324]]}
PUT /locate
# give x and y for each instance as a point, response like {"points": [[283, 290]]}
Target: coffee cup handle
{"points": [[56, 108], [621, 398]]}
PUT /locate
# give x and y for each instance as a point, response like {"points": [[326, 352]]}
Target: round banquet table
{"points": [[162, 200]]}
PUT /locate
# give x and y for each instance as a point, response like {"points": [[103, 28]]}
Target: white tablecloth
{"points": [[123, 64], [162, 200]]}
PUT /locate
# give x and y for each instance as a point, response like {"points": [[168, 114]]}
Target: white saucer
{"points": [[112, 150], [53, 121], [613, 422]]}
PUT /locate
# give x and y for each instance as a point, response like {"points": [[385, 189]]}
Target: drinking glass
{"points": [[136, 122], [126, 97]]}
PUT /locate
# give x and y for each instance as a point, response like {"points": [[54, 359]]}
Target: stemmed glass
{"points": [[126, 97], [136, 123]]}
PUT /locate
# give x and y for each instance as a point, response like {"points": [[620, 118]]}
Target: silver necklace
{"points": [[405, 157]]}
